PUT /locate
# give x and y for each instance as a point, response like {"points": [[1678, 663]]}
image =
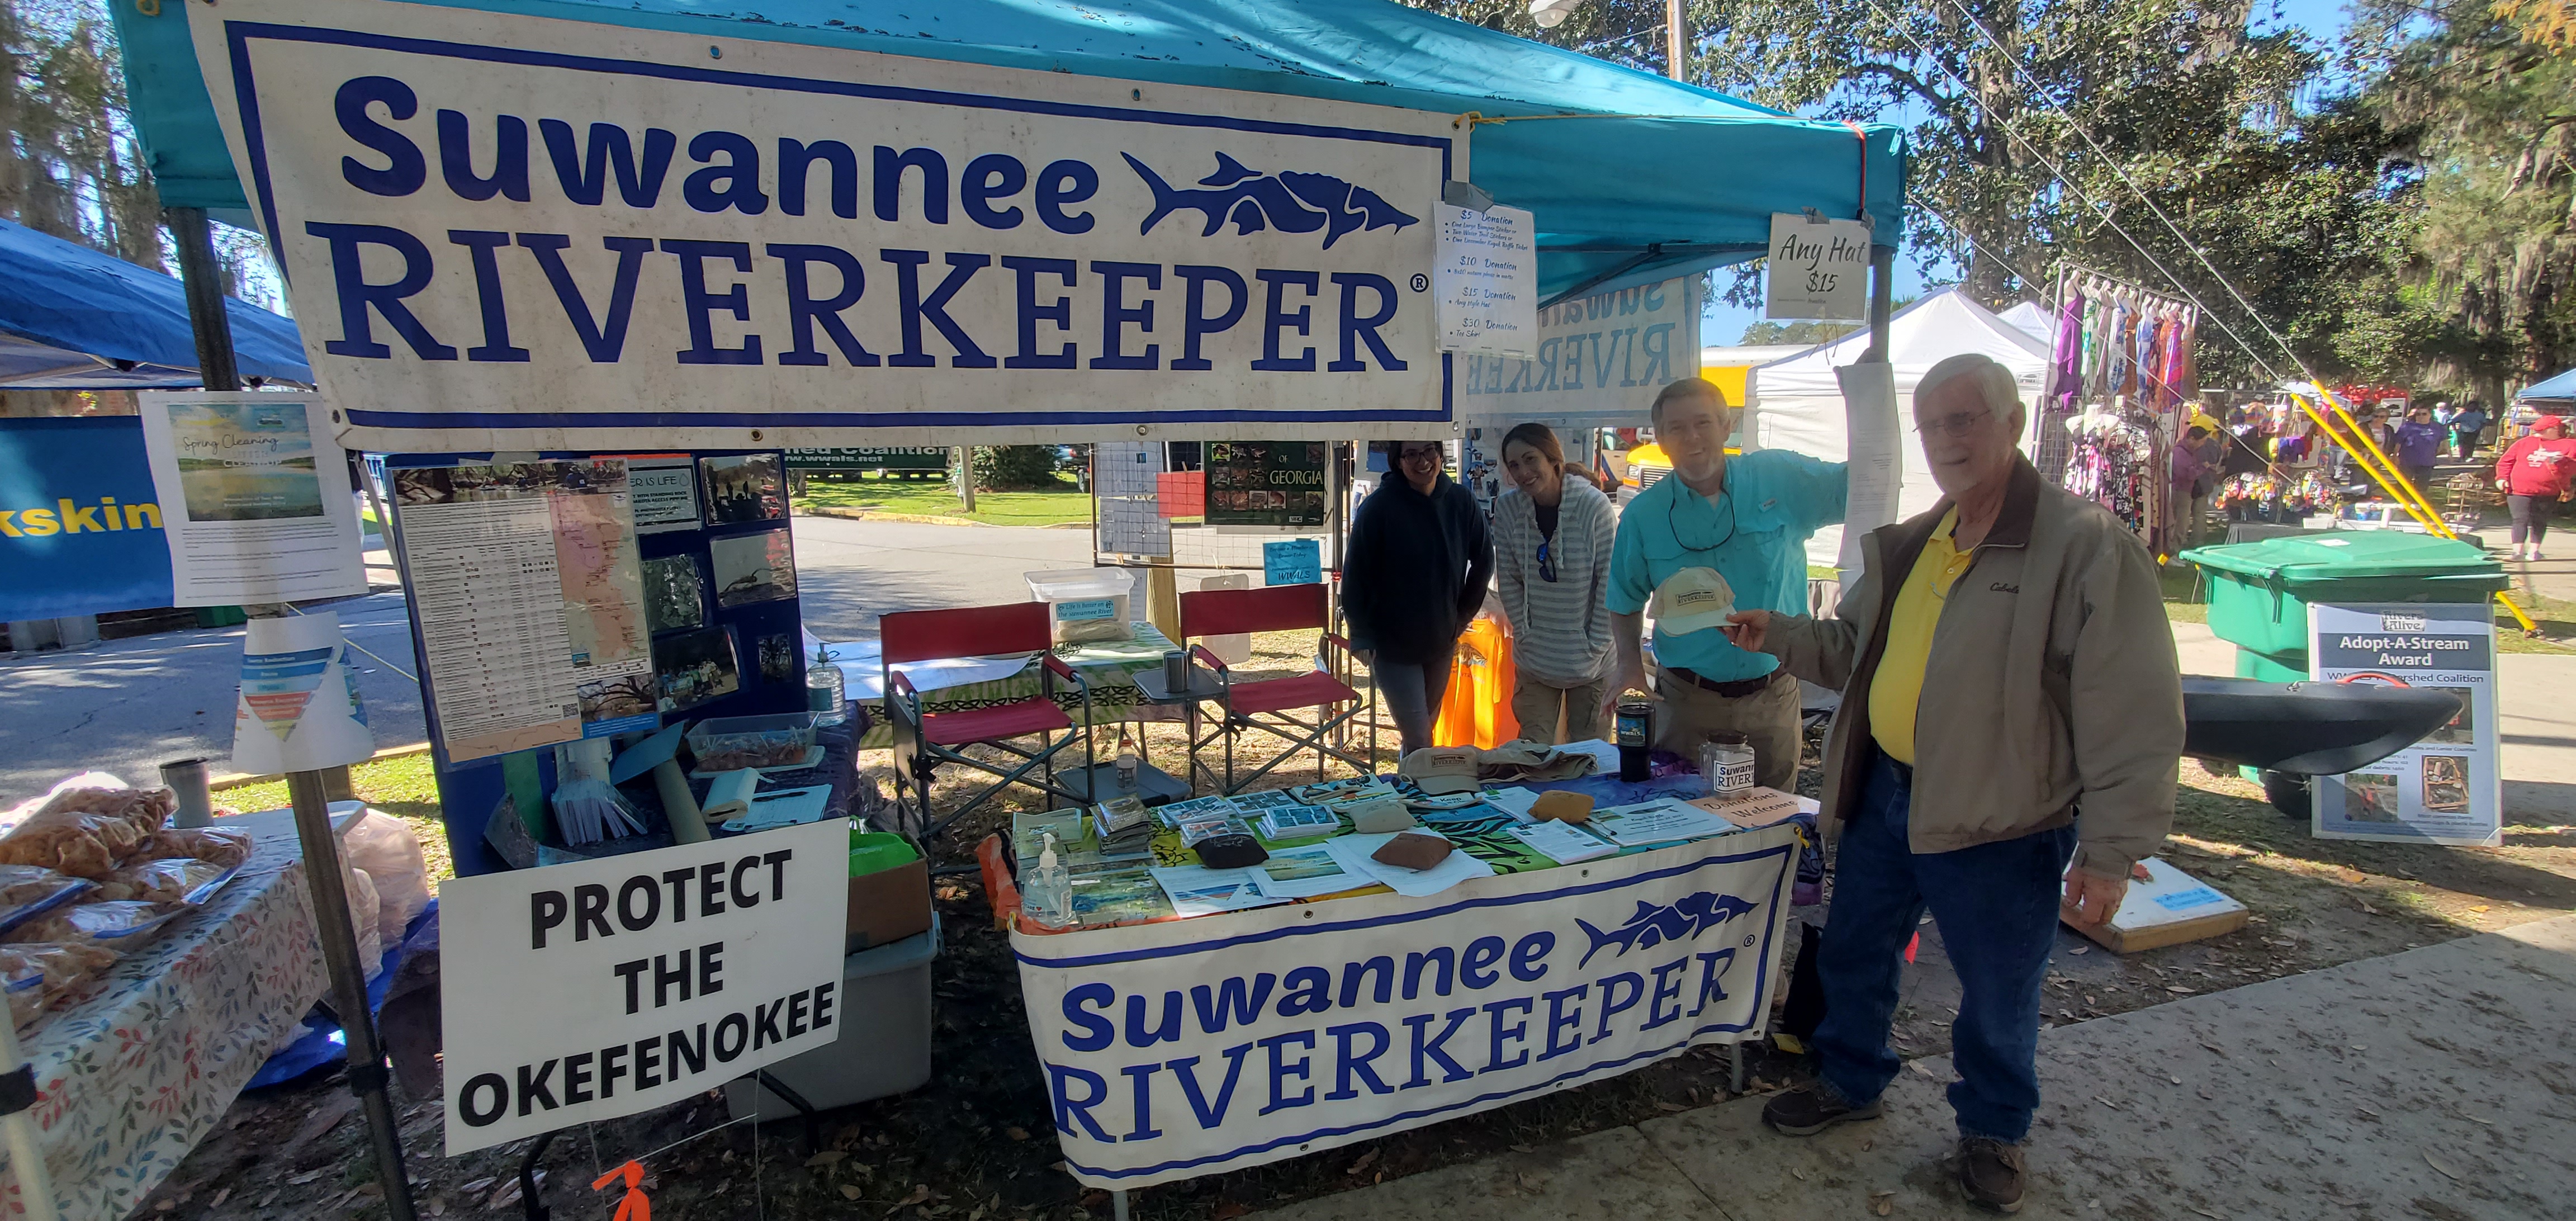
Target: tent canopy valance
{"points": [[73, 318], [1657, 178], [2559, 389]]}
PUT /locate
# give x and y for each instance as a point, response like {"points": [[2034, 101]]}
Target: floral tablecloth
{"points": [[131, 1077]]}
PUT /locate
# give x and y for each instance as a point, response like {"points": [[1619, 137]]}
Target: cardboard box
{"points": [[2168, 907], [889, 905]]}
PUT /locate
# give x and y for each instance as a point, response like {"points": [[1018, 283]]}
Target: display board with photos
{"points": [[655, 588], [1277, 484]]}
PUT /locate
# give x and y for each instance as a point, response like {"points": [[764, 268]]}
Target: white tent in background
{"points": [[2030, 317], [1799, 404]]}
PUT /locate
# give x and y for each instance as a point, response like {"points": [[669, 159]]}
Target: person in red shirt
{"points": [[2535, 474]]}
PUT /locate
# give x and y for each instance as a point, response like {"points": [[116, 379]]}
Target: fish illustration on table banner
{"points": [[1683, 919], [1255, 201]]}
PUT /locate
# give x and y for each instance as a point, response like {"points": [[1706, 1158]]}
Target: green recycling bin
{"points": [[2259, 592]]}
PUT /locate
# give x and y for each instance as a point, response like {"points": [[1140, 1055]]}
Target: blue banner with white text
{"points": [[80, 526]]}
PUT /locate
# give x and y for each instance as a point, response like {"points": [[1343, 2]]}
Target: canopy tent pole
{"points": [[203, 278], [308, 791], [1882, 275]]}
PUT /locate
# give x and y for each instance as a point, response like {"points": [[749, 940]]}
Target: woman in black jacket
{"points": [[1414, 575]]}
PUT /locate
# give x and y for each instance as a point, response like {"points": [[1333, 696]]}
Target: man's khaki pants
{"points": [[1536, 704], [1687, 714]]}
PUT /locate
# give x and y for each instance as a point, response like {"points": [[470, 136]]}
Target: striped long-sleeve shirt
{"points": [[1560, 629]]}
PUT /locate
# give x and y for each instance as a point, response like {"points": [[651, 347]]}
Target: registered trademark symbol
{"points": [[1421, 283], [1748, 940]]}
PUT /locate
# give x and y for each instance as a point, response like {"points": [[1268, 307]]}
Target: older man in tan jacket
{"points": [[2010, 701]]}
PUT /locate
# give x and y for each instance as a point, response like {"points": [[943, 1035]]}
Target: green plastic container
{"points": [[2259, 592], [878, 851]]}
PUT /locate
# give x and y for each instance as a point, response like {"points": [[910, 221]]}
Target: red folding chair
{"points": [[1268, 705], [925, 740]]}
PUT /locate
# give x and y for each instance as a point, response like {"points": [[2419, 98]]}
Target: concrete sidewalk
{"points": [[2435, 1083]]}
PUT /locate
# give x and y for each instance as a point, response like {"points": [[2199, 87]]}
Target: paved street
{"points": [[2428, 1083]]}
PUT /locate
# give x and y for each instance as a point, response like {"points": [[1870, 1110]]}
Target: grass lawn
{"points": [[1054, 506], [400, 786]]}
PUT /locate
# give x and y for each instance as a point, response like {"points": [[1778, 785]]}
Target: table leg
{"points": [[1735, 1058], [1118, 1205]]}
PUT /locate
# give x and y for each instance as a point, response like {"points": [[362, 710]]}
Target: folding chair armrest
{"points": [[1061, 667], [902, 699], [1200, 651]]}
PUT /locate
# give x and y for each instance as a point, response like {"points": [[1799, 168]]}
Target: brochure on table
{"points": [[2447, 788]]}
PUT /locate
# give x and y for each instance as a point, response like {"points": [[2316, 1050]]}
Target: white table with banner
{"points": [[1177, 1048]]}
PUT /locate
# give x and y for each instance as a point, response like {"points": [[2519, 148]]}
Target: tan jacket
{"points": [[2051, 692]]}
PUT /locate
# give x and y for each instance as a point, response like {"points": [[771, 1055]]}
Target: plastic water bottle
{"points": [[1127, 761], [825, 692], [1046, 892]]}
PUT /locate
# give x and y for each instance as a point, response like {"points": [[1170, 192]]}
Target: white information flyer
{"points": [[2446, 788], [531, 602], [255, 498], [1486, 280], [603, 988], [1817, 268], [298, 709], [665, 492]]}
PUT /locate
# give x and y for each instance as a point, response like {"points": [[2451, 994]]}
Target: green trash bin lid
{"points": [[2337, 556]]}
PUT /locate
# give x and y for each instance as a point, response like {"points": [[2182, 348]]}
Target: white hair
{"points": [[1993, 381]]}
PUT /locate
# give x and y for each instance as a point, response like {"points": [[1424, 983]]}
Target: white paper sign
{"points": [[298, 708], [1875, 441], [1193, 1047], [665, 492], [1486, 280], [1818, 269], [254, 495], [621, 231], [589, 990], [1598, 358], [2447, 788]]}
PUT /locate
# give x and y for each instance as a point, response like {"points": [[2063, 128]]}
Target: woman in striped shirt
{"points": [[1552, 540]]}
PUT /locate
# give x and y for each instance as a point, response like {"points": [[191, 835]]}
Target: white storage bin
{"points": [[1086, 605], [884, 1045]]}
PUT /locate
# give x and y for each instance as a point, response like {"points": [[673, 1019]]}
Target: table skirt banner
{"points": [[1193, 1047], [129, 1079]]}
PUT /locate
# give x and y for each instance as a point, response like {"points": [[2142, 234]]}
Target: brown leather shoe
{"points": [[1991, 1172]]}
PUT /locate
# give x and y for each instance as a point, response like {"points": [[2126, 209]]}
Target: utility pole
{"points": [[1676, 41]]}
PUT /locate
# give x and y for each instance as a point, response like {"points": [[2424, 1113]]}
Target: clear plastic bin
{"points": [[1085, 605], [727, 743]]}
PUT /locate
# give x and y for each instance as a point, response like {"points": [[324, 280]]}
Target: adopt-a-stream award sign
{"points": [[507, 232], [585, 991], [2446, 788]]}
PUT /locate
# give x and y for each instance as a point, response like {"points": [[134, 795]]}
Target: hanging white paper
{"points": [[298, 708], [1486, 280], [1876, 446], [255, 498], [1817, 269]]}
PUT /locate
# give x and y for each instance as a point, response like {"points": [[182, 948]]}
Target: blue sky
{"points": [[1724, 324]]}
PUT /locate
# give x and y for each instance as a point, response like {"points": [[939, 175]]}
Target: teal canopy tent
{"points": [[1654, 179]]}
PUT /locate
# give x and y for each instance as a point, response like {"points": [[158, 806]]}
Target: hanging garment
{"points": [[2066, 371], [2096, 321], [2142, 347], [2119, 379], [2179, 370]]}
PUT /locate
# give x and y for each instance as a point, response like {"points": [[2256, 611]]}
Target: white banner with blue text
{"points": [[1596, 360], [510, 232], [1193, 1047]]}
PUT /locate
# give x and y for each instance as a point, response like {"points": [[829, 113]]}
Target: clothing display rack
{"points": [[2122, 367]]}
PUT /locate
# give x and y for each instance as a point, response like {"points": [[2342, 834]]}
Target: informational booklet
{"points": [[1198, 891], [1515, 801], [1114, 896], [1180, 812], [1298, 822], [1267, 799], [1656, 822], [1560, 843], [1303, 873], [254, 499], [1353, 853]]}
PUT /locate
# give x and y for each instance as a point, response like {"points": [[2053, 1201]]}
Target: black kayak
{"points": [[2306, 729]]}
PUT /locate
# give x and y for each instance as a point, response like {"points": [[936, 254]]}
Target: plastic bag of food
{"points": [[27, 892], [35, 975], [170, 880], [121, 926], [221, 845], [86, 832], [386, 848]]}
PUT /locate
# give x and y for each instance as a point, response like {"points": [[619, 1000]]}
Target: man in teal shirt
{"points": [[1749, 518]]}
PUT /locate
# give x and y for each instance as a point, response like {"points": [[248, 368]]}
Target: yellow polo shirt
{"points": [[1897, 688]]}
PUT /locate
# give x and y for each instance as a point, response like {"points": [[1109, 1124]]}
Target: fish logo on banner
{"points": [[1255, 201], [1683, 919]]}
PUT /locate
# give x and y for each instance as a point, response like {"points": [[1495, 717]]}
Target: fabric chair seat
{"points": [[1313, 689], [970, 725]]}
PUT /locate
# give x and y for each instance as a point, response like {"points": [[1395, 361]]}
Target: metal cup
{"points": [[187, 779]]}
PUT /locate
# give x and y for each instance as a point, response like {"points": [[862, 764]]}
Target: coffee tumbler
{"points": [[1636, 734]]}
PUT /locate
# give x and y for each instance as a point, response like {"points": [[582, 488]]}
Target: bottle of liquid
{"points": [[1046, 892], [1128, 761], [825, 693]]}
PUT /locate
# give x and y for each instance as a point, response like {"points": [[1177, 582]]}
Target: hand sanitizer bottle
{"points": [[1127, 761], [1046, 892]]}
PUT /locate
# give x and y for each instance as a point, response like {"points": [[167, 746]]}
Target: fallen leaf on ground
{"points": [[850, 1191], [1798, 1174], [1366, 1160], [1015, 1132], [920, 1192], [2106, 1102], [1882, 1203], [306, 1177], [219, 1199], [2178, 990], [479, 1184], [2447, 1172], [2081, 949], [825, 1158]]}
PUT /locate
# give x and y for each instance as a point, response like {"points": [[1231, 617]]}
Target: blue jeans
{"points": [[1997, 904], [1412, 691]]}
